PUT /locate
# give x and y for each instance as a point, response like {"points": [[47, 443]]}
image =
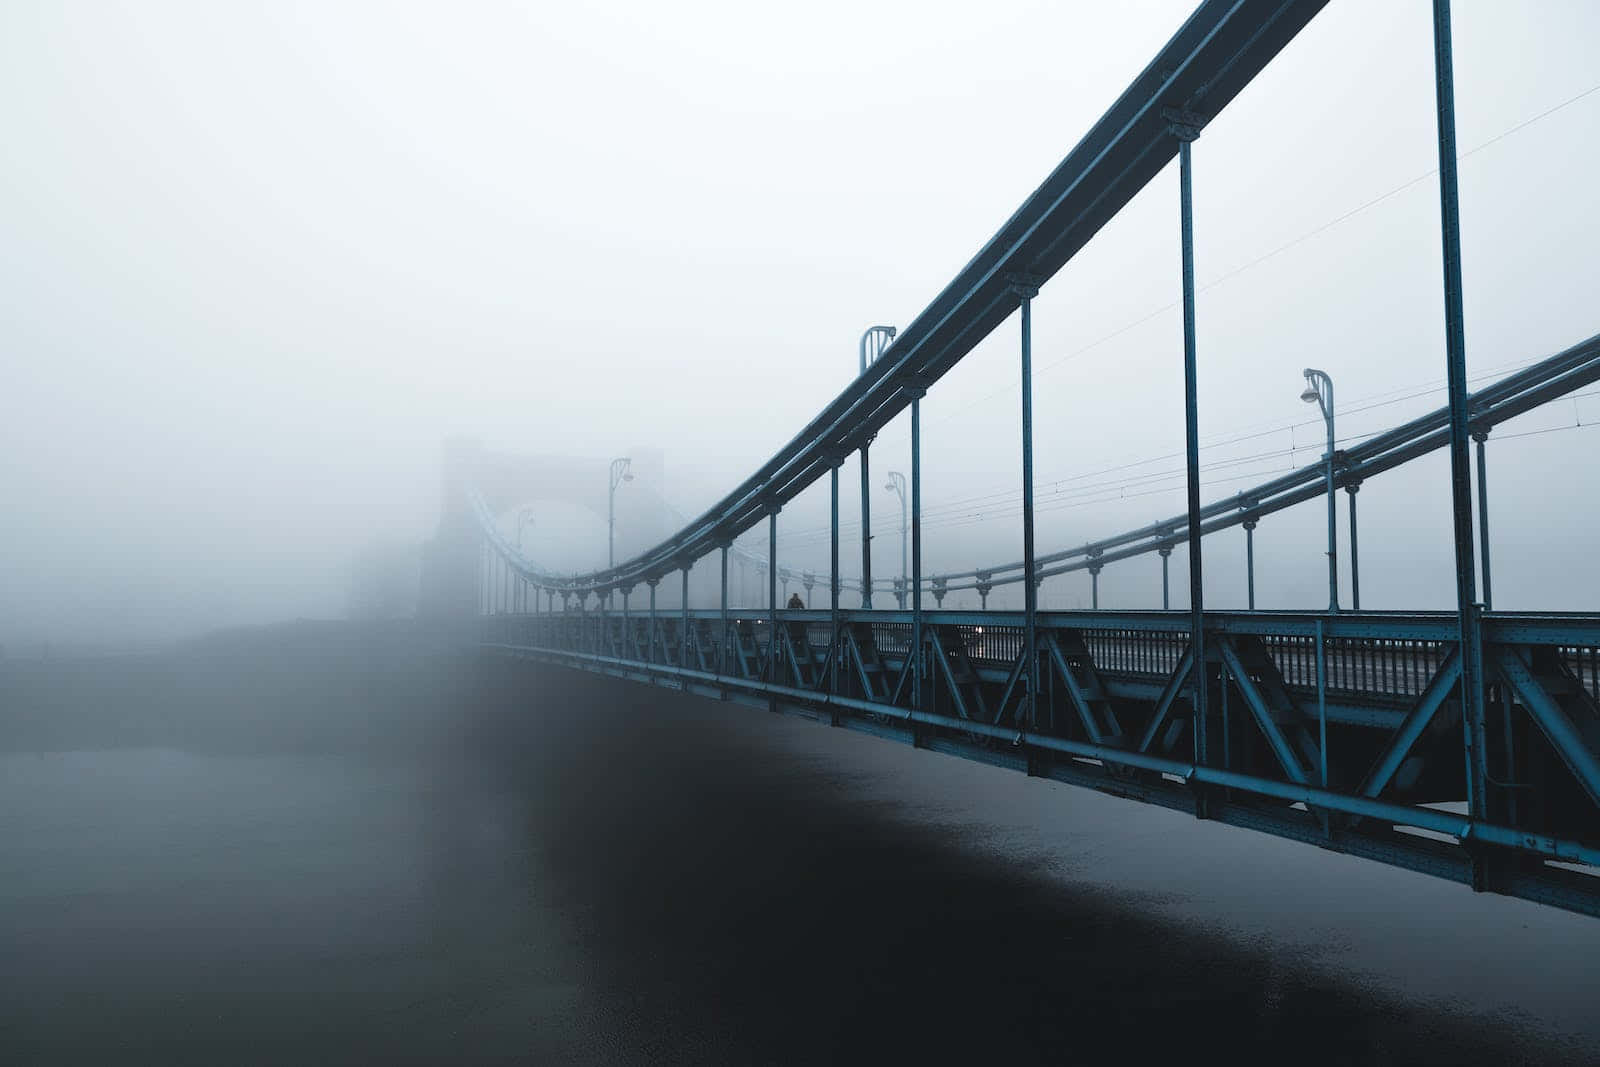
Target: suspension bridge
{"points": [[1463, 744]]}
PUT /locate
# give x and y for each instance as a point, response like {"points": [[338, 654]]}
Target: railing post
{"points": [[916, 549], [1460, 470], [1186, 128], [1355, 550], [1481, 436], [1026, 289], [834, 644]]}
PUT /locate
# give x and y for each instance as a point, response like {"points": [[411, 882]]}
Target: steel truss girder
{"points": [[1381, 791], [1424, 818]]}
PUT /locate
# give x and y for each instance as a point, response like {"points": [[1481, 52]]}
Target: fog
{"points": [[268, 266], [261, 260]]}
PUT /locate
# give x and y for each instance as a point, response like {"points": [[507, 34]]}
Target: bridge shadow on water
{"points": [[736, 903]]}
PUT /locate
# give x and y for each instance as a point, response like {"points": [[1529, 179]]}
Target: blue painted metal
{"points": [[1026, 291], [1460, 416], [1379, 679], [866, 528], [1366, 829], [1355, 549], [1186, 132], [1166, 589], [1210, 59], [1480, 436], [919, 658], [722, 622], [772, 595], [833, 580], [897, 485], [655, 630], [1250, 561], [1557, 726], [1322, 702], [1319, 389]]}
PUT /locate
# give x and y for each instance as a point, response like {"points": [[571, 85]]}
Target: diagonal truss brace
{"points": [[1555, 723], [1169, 694], [1416, 721], [1075, 693], [1240, 676]]}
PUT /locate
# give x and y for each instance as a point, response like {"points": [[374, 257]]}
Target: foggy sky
{"points": [[260, 260]]}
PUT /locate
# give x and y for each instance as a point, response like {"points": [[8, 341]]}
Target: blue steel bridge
{"points": [[1463, 744]]}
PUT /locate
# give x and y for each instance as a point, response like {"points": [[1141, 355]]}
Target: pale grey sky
{"points": [[260, 259]]}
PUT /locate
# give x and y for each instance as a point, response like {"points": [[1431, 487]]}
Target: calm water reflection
{"points": [[618, 877]]}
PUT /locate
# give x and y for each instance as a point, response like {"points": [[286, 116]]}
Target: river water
{"points": [[603, 873]]}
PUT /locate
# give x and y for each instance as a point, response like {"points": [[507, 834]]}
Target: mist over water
{"points": [[544, 867]]}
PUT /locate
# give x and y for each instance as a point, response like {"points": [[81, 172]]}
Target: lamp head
{"points": [[627, 476], [1310, 395]]}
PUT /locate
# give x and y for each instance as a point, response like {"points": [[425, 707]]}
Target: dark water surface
{"points": [[595, 872]]}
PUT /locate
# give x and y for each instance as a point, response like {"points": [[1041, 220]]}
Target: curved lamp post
{"points": [[897, 485], [619, 474], [525, 520], [873, 342], [1319, 391]]}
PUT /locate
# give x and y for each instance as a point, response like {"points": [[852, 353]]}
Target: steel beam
{"points": [[1472, 702]]}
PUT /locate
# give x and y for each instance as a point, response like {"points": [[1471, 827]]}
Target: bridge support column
{"points": [[834, 644], [1481, 437], [772, 599], [866, 529], [652, 583], [722, 634], [1355, 550], [1165, 552], [627, 634], [1250, 561], [919, 663], [1472, 702], [1186, 130], [1094, 585], [683, 627], [1026, 289]]}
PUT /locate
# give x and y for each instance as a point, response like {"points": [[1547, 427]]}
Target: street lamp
{"points": [[897, 484], [524, 520], [873, 343], [619, 474], [1319, 391]]}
